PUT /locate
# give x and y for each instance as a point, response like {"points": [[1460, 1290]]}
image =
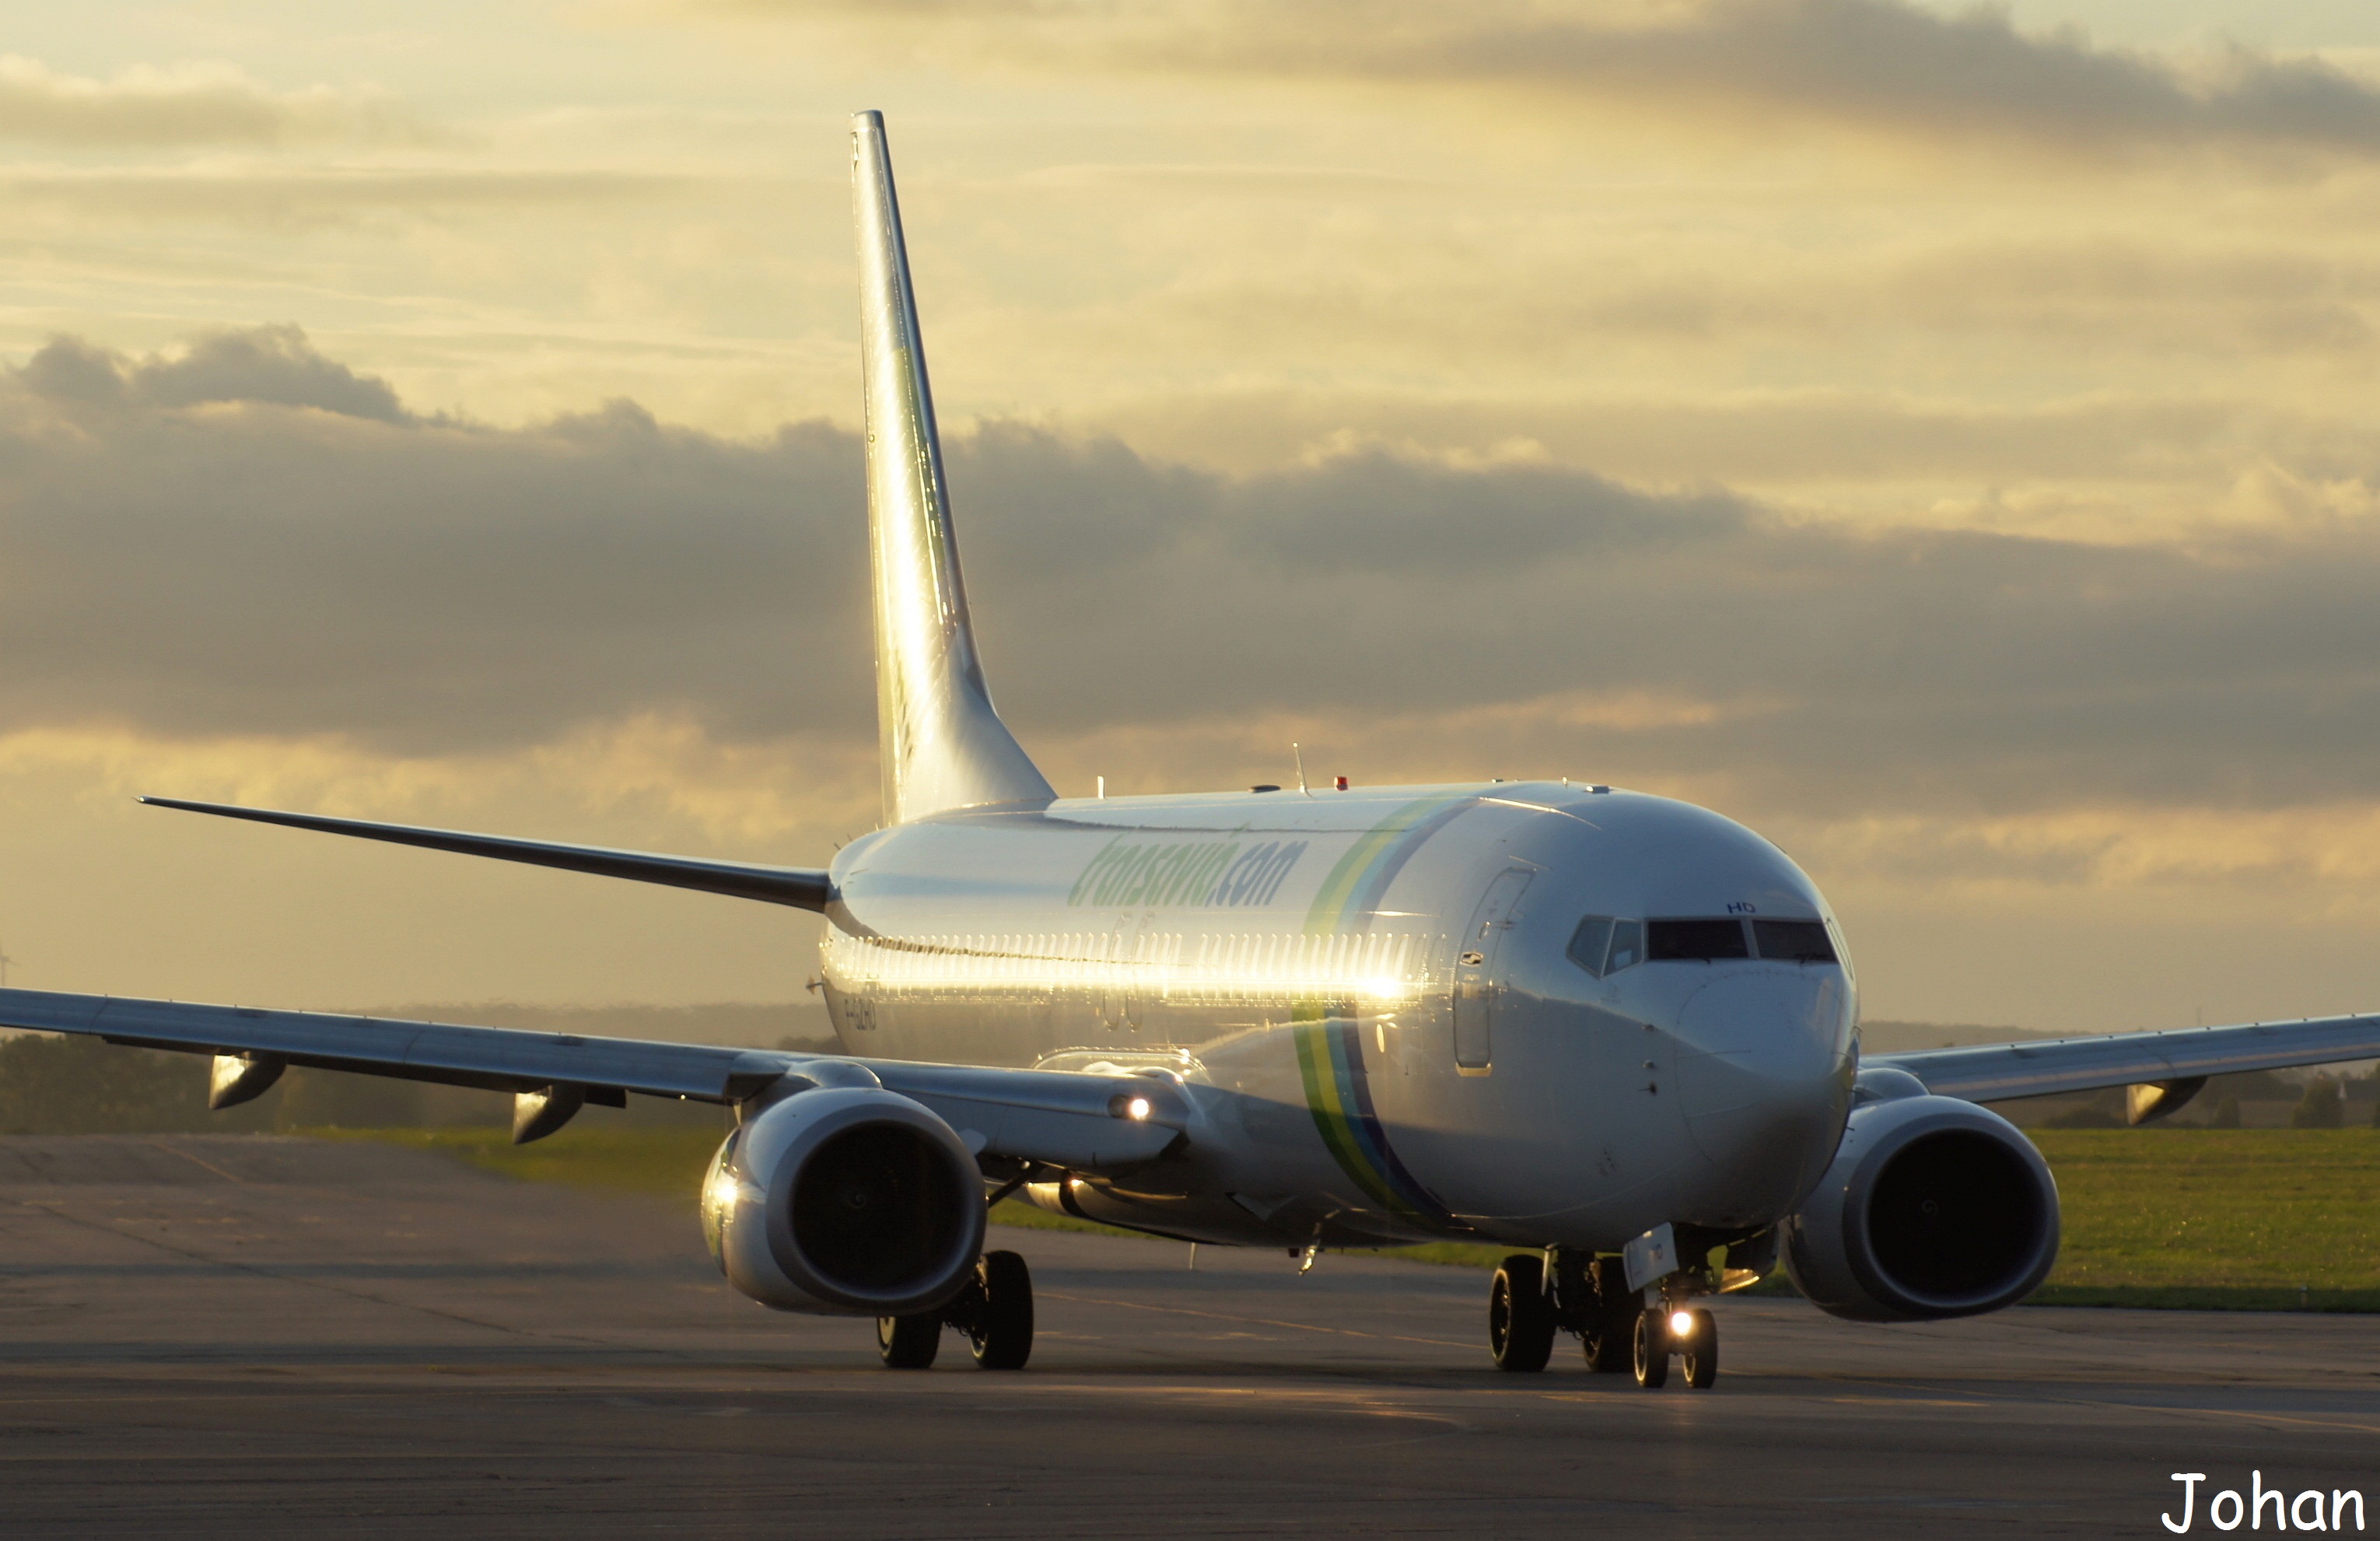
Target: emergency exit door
{"points": [[1476, 984]]}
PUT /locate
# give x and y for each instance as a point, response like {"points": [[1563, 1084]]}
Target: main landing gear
{"points": [[1619, 1328], [995, 1312]]}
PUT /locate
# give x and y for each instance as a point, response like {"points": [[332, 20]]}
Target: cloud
{"points": [[288, 199], [184, 105], [1881, 66], [270, 365], [253, 538], [248, 538]]}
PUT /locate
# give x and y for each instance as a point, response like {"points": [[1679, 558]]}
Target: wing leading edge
{"points": [[1997, 1072], [802, 888], [1079, 1120]]}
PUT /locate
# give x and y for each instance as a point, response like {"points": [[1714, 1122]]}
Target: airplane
{"points": [[1614, 1032]]}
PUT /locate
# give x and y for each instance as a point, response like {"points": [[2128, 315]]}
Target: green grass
{"points": [[2256, 1220], [2241, 1219], [2217, 1218], [1024, 1217], [665, 1161]]}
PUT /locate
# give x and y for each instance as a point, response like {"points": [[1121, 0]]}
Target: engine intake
{"points": [[1932, 1208], [844, 1201]]}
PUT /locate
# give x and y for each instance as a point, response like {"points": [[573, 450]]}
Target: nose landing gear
{"points": [[1662, 1332], [1701, 1351], [1652, 1349], [1620, 1328]]}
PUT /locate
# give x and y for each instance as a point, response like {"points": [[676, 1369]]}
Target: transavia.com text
{"points": [[2229, 1507]]}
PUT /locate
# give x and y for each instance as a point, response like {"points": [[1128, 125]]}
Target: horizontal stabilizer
{"points": [[804, 888], [1993, 1072]]}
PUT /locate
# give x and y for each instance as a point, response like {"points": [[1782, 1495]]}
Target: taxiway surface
{"points": [[222, 1335]]}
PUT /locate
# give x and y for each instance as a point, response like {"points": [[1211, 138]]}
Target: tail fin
{"points": [[940, 742]]}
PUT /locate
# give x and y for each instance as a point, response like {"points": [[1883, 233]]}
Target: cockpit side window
{"points": [[1694, 940], [1602, 945], [1799, 941], [1591, 943]]}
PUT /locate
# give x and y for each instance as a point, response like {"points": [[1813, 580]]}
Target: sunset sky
{"points": [[1947, 439]]}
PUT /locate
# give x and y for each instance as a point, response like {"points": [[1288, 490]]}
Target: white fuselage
{"points": [[1369, 997]]}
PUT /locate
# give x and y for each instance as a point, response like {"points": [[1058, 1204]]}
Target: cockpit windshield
{"points": [[1801, 941], [1605, 944], [1698, 940]]}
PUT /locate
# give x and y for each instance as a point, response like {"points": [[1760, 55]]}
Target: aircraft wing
{"points": [[1993, 1072], [804, 888], [1083, 1121]]}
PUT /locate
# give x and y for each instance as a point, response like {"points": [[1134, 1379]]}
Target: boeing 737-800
{"points": [[1616, 1033]]}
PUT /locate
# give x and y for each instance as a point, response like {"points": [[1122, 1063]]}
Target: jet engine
{"points": [[845, 1200], [1932, 1208]]}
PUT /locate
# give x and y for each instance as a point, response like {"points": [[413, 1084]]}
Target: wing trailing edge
{"points": [[801, 887], [1079, 1120], [2001, 1072]]}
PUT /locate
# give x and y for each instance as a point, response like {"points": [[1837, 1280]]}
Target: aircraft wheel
{"points": [[1611, 1317], [909, 1343], [1702, 1352], [1520, 1316], [1652, 1349], [1001, 1332]]}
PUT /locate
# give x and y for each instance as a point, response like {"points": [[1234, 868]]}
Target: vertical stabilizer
{"points": [[940, 742]]}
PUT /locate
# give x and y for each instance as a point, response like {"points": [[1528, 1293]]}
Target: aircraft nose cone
{"points": [[1764, 1080]]}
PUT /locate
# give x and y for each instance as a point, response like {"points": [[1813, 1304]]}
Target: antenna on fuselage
{"points": [[1299, 755]]}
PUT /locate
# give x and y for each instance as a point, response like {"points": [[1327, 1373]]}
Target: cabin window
{"points": [[1694, 940], [1800, 941], [1602, 945]]}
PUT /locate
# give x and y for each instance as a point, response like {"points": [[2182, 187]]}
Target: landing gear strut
{"points": [[995, 1312], [1606, 1317]]}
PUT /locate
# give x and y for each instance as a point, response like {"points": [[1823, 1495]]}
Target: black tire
{"points": [[1520, 1316], [909, 1343], [1702, 1352], [1651, 1353], [1611, 1320], [1002, 1333]]}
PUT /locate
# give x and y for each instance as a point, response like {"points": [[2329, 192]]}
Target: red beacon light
{"points": [[1338, 782]]}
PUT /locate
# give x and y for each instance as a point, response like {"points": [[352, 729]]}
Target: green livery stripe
{"points": [[1331, 1061], [1330, 1114], [1347, 878]]}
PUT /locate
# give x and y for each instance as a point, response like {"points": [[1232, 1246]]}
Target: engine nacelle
{"points": [[844, 1201], [1932, 1208]]}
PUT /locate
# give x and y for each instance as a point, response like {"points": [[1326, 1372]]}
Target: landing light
{"points": [[1682, 1324], [1136, 1109]]}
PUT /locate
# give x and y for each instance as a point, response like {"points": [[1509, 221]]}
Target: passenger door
{"points": [[1475, 984]]}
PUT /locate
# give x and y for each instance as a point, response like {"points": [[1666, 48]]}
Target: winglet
{"points": [[941, 744]]}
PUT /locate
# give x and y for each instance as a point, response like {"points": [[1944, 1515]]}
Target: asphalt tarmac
{"points": [[227, 1336]]}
